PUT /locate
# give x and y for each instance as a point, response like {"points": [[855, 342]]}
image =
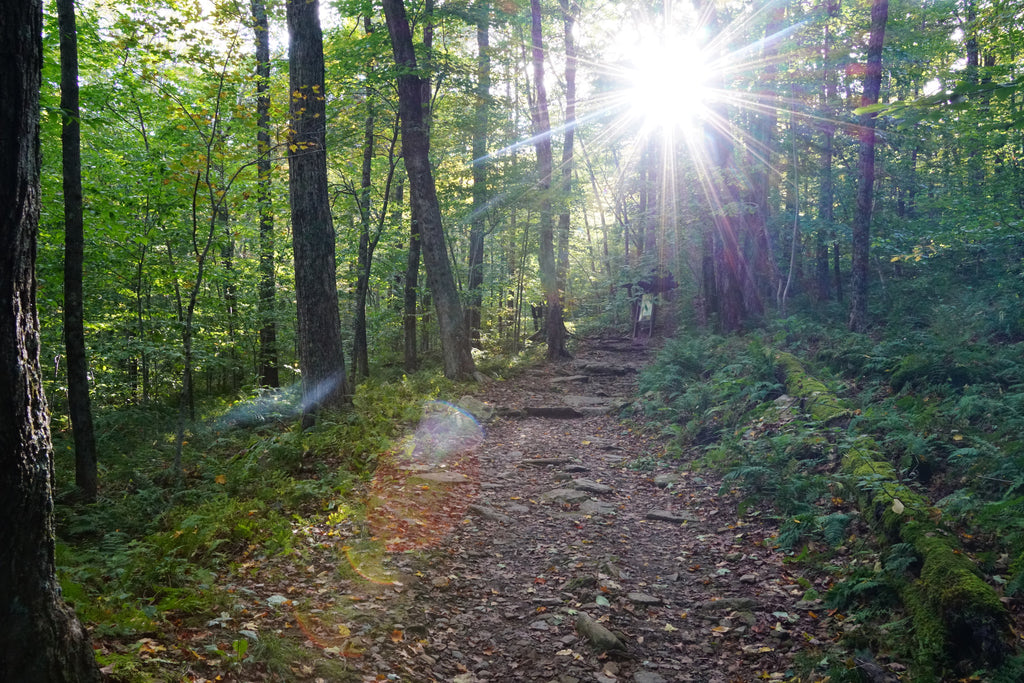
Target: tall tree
{"points": [[79, 403], [455, 353], [360, 346], [553, 326], [479, 151], [267, 363], [861, 226], [570, 10], [321, 355], [41, 640], [826, 193]]}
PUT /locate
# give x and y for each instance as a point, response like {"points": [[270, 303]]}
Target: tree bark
{"points": [[861, 226], [360, 346], [458, 362], [826, 192], [41, 640], [476, 228], [321, 355], [553, 325], [569, 12], [79, 404], [267, 363]]}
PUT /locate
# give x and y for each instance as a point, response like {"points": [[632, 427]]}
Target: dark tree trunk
{"points": [[553, 325], [41, 640], [476, 228], [569, 11], [267, 363], [79, 405], [227, 257], [412, 277], [321, 355], [360, 347], [458, 362], [764, 276], [861, 226], [826, 192]]}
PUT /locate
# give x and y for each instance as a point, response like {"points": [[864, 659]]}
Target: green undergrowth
{"points": [[782, 414], [150, 555]]}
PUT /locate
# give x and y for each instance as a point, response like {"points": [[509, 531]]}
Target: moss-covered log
{"points": [[957, 616], [820, 403]]}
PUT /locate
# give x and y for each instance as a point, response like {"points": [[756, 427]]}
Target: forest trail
{"points": [[559, 511]]}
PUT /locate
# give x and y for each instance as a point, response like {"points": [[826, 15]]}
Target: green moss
{"points": [[821, 403], [930, 633]]}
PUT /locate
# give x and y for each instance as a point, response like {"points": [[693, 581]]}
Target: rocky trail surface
{"points": [[577, 555], [546, 540]]}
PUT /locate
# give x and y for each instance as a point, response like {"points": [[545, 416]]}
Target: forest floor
{"points": [[484, 544]]}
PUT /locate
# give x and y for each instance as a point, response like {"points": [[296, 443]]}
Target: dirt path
{"points": [[560, 511]]}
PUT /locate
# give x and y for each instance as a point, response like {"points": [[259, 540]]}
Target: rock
{"points": [[727, 605], [477, 408], [591, 485], [647, 677], [488, 513], [748, 578], [541, 462], [665, 480], [442, 478], [582, 379], [517, 509], [643, 599], [674, 517], [576, 468], [555, 412], [600, 638], [568, 496], [605, 369], [597, 507], [539, 625]]}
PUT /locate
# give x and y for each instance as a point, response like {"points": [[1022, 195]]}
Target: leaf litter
{"points": [[479, 558]]}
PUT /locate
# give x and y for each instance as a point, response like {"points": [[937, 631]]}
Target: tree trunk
{"points": [[267, 363], [321, 355], [569, 13], [360, 347], [458, 362], [41, 640], [79, 405], [553, 325], [861, 226], [476, 229]]}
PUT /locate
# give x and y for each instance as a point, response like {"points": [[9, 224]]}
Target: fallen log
{"points": [[957, 616]]}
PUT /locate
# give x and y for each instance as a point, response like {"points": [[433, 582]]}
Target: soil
{"points": [[561, 509], [548, 541]]}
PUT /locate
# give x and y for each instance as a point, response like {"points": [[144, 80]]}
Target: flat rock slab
{"points": [[553, 412], [605, 369], [543, 462], [568, 496], [590, 485], [727, 605], [583, 379], [665, 480], [488, 513], [643, 599], [674, 517], [597, 507], [443, 477], [477, 408]]}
